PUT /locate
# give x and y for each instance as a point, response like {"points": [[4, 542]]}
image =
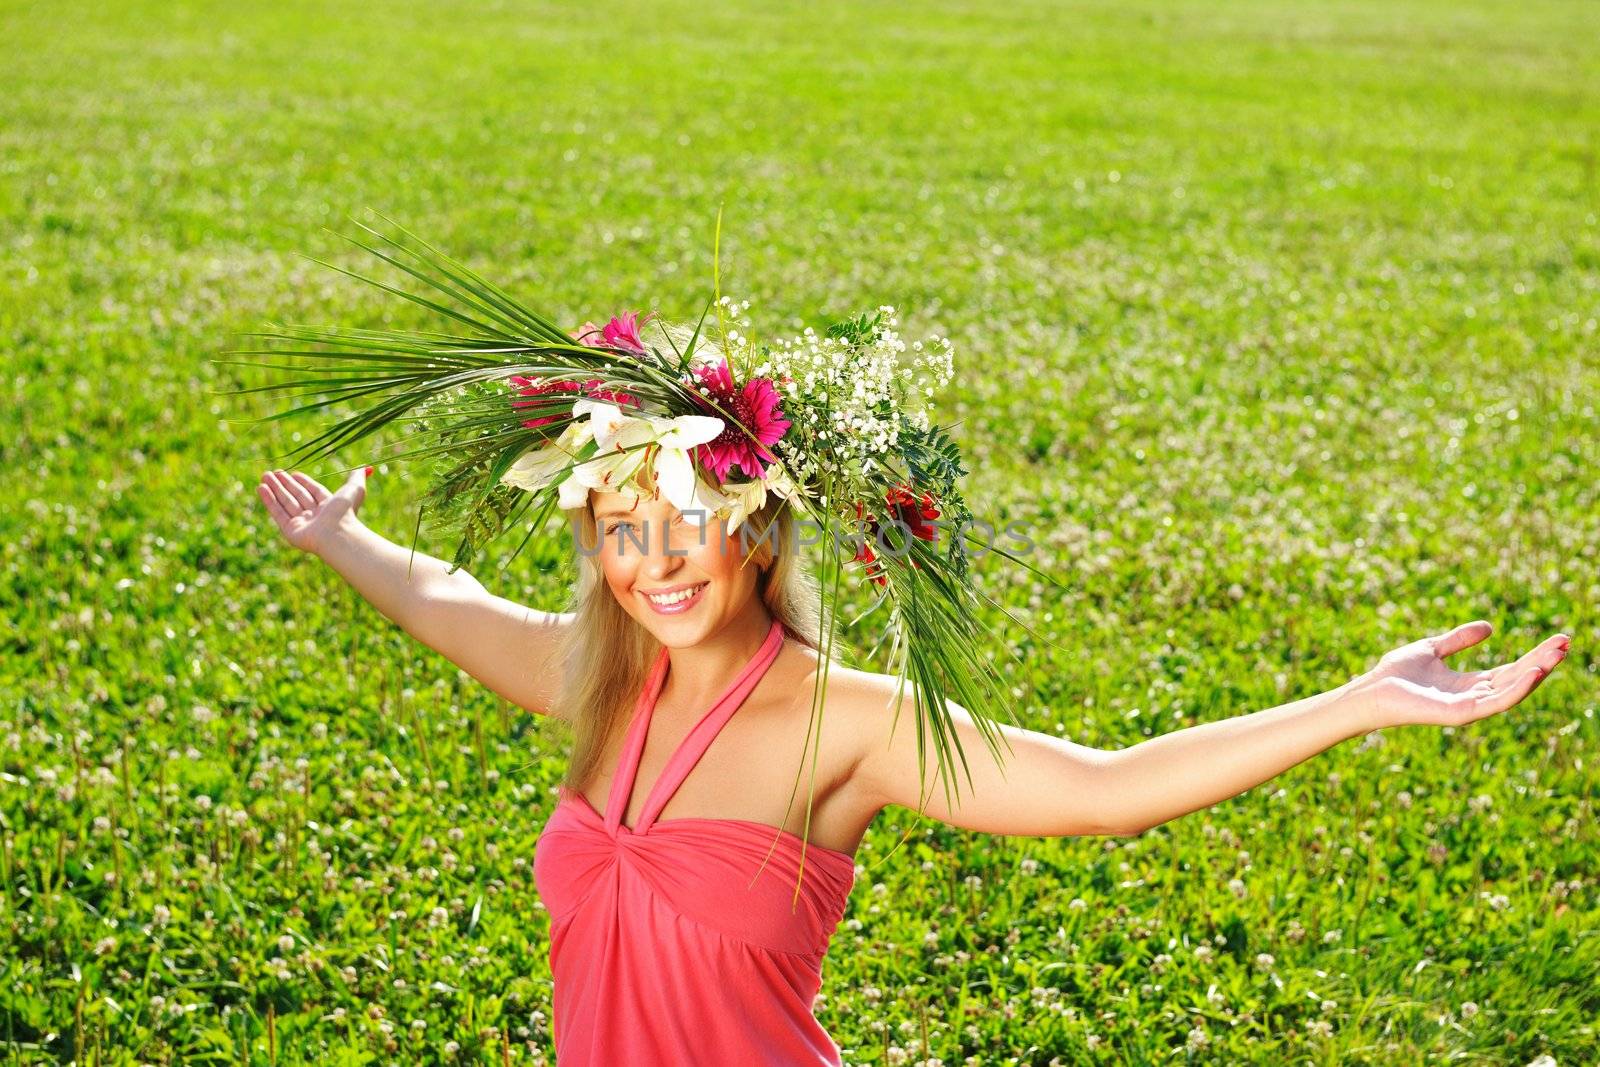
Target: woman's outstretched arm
{"points": [[1052, 787], [509, 648]]}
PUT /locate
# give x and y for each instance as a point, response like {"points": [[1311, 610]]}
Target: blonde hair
{"points": [[607, 655]]}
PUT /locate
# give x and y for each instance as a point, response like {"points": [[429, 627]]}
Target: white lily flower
{"points": [[778, 481], [678, 481], [604, 420], [628, 442], [535, 469], [741, 500]]}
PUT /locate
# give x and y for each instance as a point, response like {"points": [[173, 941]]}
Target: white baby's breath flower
{"points": [[854, 397]]}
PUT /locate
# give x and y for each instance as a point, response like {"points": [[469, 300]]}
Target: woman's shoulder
{"points": [[860, 704], [857, 718], [849, 685]]}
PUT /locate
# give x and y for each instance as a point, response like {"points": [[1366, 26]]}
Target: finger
{"points": [[1508, 696], [269, 479], [319, 492], [355, 486], [274, 509], [280, 491], [1464, 636], [298, 491], [1547, 653]]}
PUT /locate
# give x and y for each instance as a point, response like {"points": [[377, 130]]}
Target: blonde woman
{"points": [[685, 673]]}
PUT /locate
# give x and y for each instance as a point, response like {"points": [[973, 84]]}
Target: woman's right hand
{"points": [[306, 513]]}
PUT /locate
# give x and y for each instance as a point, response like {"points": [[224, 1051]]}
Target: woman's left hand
{"points": [[1411, 685]]}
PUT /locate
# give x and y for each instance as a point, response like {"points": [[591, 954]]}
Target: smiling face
{"points": [[679, 576]]}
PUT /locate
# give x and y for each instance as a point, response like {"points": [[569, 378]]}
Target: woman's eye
{"points": [[614, 527]]}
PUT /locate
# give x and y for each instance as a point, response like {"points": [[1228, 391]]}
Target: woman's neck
{"points": [[699, 673]]}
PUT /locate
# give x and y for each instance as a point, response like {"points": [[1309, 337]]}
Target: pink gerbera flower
{"points": [[755, 407], [621, 332]]}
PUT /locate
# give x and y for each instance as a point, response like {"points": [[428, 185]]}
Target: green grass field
{"points": [[1277, 323]]}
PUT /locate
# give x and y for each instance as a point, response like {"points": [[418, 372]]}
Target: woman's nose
{"points": [[667, 548]]}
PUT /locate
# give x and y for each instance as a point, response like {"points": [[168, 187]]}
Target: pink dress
{"points": [[666, 946]]}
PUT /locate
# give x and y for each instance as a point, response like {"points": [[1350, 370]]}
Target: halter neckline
{"points": [[694, 744]]}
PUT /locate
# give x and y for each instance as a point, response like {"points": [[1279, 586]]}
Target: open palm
{"points": [[1413, 685], [305, 511]]}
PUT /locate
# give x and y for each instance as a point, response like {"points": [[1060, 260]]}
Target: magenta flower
{"points": [[755, 406], [621, 332], [535, 387]]}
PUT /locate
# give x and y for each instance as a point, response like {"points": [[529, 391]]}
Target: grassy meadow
{"points": [[1277, 323]]}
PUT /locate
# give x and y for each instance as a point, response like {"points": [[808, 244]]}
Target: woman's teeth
{"points": [[674, 598]]}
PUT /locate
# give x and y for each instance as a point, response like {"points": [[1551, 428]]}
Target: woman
{"points": [[672, 942]]}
